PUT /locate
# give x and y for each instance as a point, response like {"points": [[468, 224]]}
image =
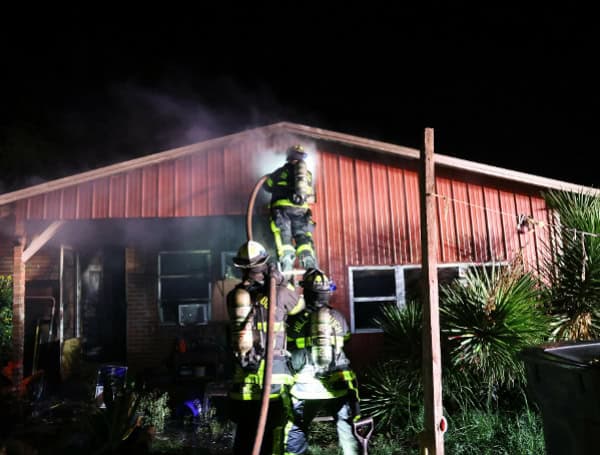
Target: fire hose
{"points": [[251, 205], [362, 429], [268, 371]]}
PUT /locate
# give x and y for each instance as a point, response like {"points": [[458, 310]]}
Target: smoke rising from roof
{"points": [[125, 120]]}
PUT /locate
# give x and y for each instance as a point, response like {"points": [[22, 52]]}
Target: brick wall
{"points": [[6, 246], [44, 265], [144, 347]]}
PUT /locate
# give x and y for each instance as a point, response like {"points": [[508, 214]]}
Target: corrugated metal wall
{"points": [[368, 214], [367, 210], [209, 183]]}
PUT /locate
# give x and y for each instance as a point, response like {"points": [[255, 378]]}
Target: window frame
{"points": [[206, 302], [400, 285], [225, 255]]}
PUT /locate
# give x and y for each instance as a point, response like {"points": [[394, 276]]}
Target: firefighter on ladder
{"points": [[292, 191], [323, 378], [247, 306]]}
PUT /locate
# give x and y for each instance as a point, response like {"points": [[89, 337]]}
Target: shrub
{"points": [[487, 319], [6, 313], [479, 432], [572, 266], [153, 406]]}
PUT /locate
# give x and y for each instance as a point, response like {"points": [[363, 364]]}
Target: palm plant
{"points": [[488, 318], [572, 267]]}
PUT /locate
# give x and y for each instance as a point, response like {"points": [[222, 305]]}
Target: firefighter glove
{"points": [[275, 273]]}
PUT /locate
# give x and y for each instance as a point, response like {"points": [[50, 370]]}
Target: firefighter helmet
{"points": [[296, 152], [317, 287], [251, 254]]}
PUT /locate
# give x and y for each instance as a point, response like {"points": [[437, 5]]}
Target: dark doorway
{"points": [[103, 304]]}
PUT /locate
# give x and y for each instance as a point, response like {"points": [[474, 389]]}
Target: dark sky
{"points": [[511, 87]]}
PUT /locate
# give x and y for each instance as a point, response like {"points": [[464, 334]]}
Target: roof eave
{"points": [[303, 130]]}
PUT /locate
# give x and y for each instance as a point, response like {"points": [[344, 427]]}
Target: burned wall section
{"points": [[150, 340], [6, 246]]}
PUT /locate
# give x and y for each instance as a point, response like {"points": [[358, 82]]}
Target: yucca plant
{"points": [[393, 395], [402, 329], [572, 266], [394, 390], [487, 318]]}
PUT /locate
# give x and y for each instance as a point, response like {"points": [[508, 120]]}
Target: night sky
{"points": [[510, 87]]}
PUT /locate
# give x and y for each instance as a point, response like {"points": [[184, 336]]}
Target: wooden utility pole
{"points": [[432, 440]]}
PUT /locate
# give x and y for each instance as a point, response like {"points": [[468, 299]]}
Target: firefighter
{"points": [[323, 380], [292, 191], [247, 306]]}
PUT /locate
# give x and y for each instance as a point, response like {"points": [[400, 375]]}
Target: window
{"points": [[228, 270], [370, 289], [375, 286], [184, 287]]}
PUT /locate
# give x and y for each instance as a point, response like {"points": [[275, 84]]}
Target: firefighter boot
{"points": [[287, 262], [308, 261]]}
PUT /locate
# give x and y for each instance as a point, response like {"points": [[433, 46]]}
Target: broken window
{"points": [[372, 287], [184, 286]]}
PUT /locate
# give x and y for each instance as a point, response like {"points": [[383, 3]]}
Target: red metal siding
{"points": [[526, 239], [367, 210], [399, 216], [333, 221], [117, 196], [542, 232], [478, 223], [494, 223], [365, 207], [411, 187], [216, 181], [183, 186], [382, 219], [69, 203], [100, 198], [368, 214], [84, 204], [150, 191], [448, 246], [133, 199], [166, 189], [349, 226]]}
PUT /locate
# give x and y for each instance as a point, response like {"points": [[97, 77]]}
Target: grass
{"points": [[474, 432]]}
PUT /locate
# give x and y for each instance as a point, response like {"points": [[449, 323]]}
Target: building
{"points": [[132, 255]]}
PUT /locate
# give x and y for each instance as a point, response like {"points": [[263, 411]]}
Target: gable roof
{"points": [[297, 129]]}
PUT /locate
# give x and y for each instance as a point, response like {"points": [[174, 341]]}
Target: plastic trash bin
{"points": [[564, 380]]}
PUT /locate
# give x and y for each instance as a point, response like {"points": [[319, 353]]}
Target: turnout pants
{"points": [[245, 414], [295, 223], [304, 411]]}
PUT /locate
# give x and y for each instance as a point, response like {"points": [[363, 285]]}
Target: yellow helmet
{"points": [[296, 152], [251, 254], [317, 287]]}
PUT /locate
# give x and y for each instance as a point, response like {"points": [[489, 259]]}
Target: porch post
{"points": [[18, 330]]}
